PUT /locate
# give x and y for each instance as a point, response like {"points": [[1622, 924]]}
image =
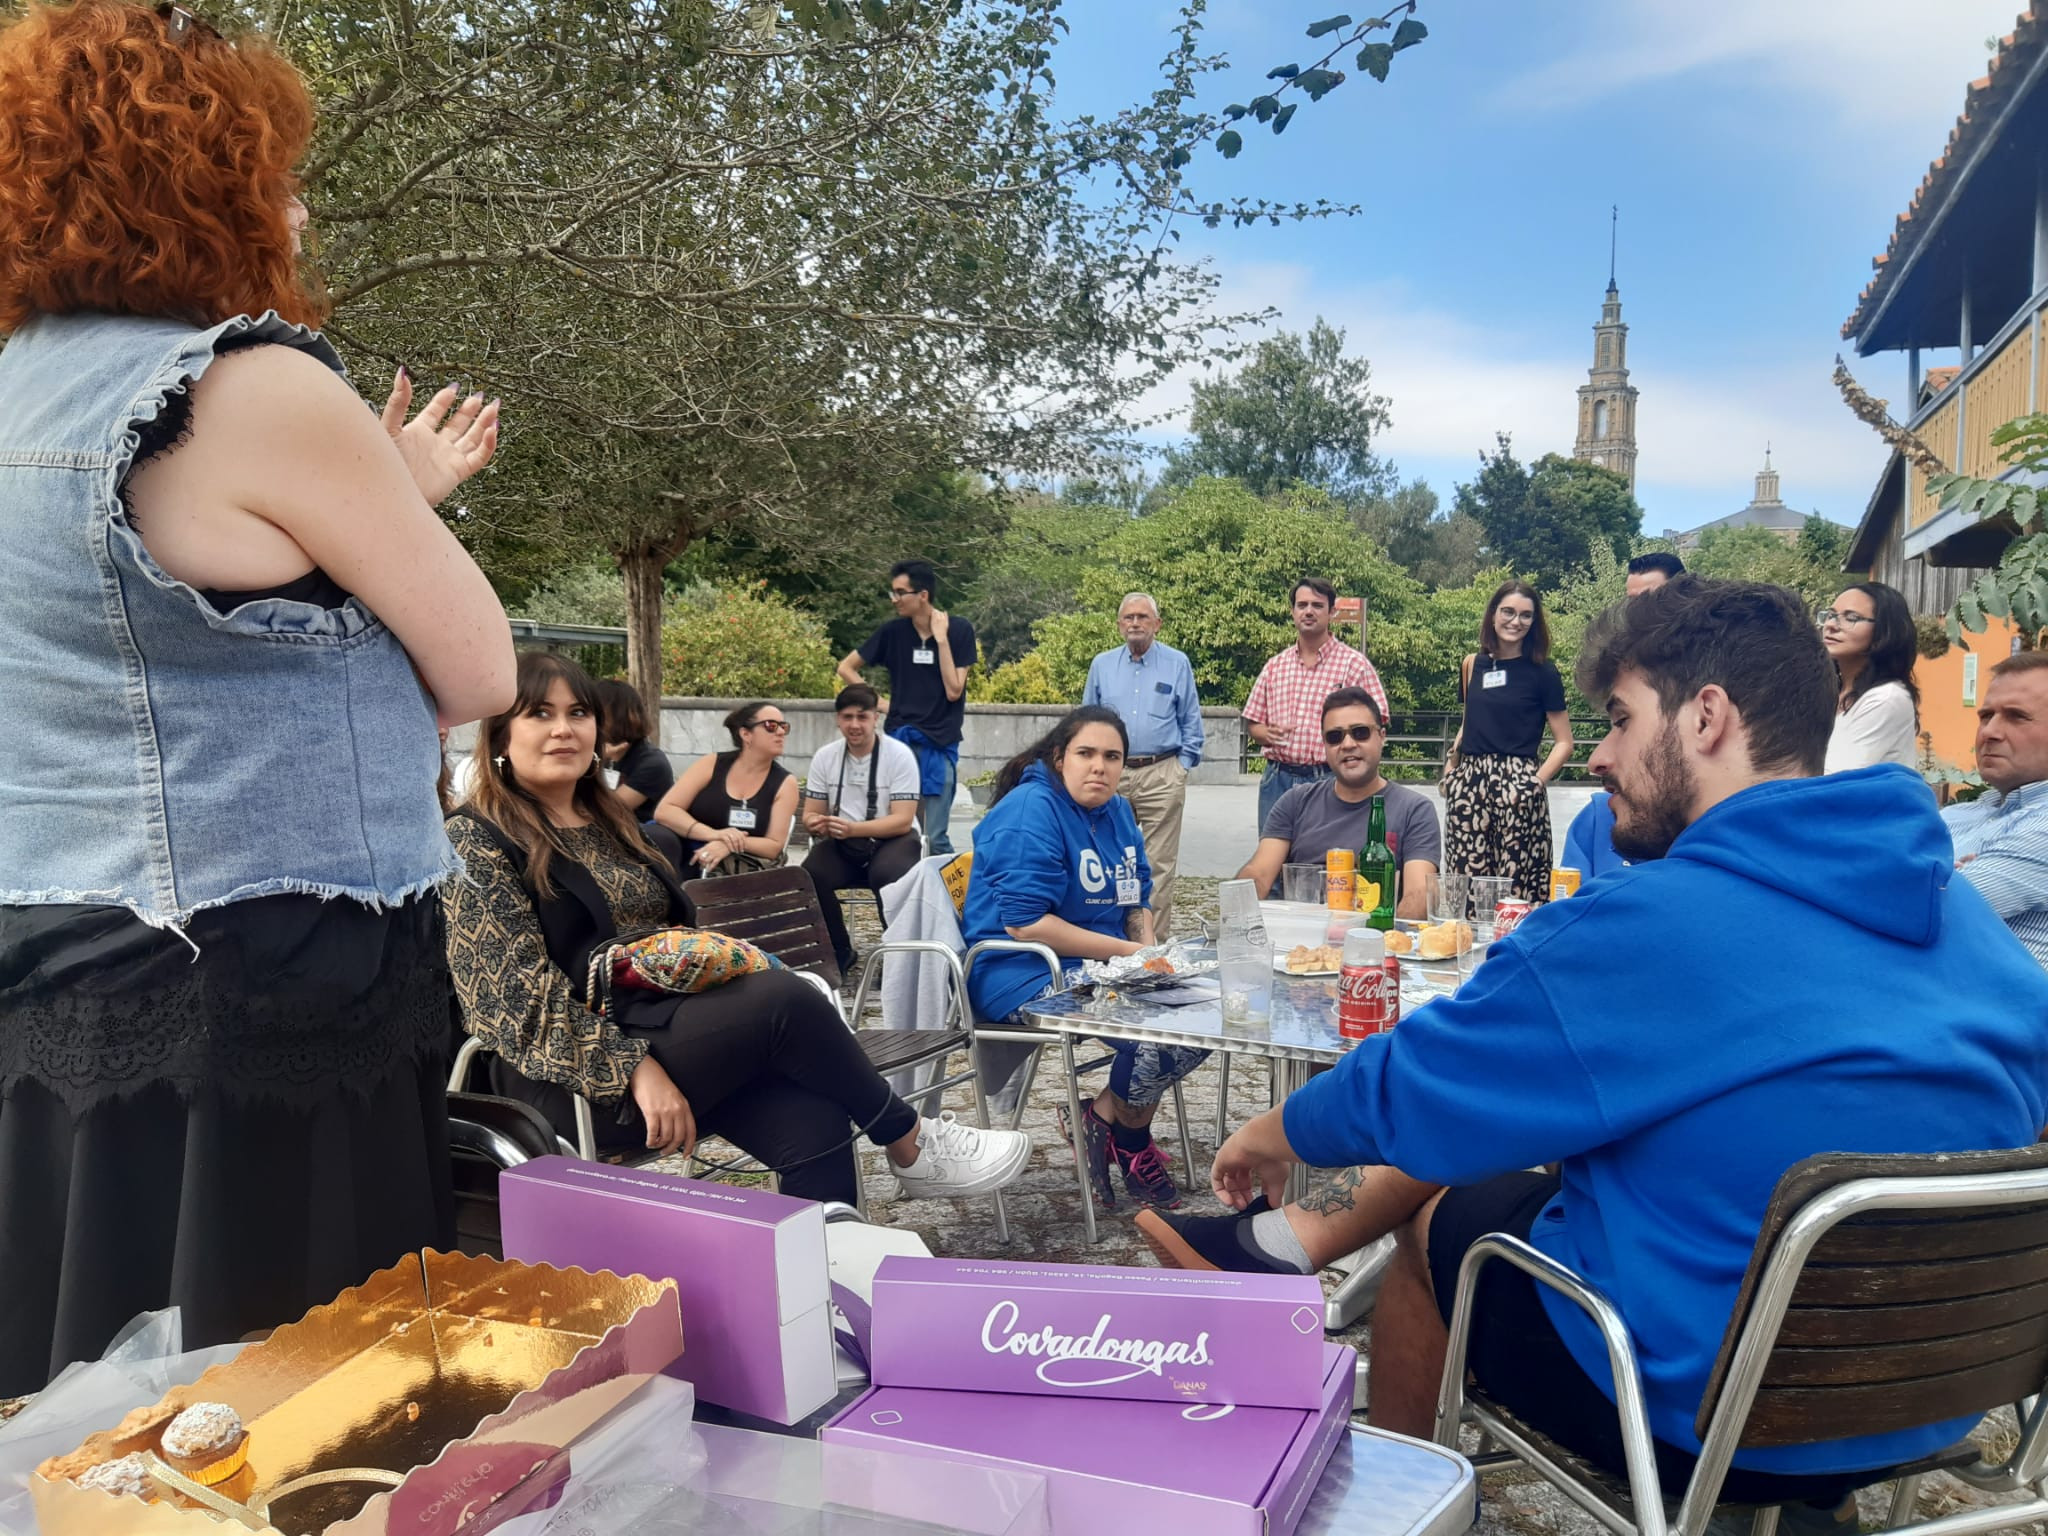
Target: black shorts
{"points": [[1517, 1356]]}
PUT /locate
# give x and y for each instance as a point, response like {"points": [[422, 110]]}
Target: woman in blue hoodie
{"points": [[1059, 861]]}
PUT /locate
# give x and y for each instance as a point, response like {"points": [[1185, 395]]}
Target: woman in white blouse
{"points": [[1869, 632]]}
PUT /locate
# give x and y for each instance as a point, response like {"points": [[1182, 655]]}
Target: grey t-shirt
{"points": [[1313, 820]]}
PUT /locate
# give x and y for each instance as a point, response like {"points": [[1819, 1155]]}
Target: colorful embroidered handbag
{"points": [[674, 960]]}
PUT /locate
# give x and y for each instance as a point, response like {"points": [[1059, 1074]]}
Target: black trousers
{"points": [[766, 1063], [833, 868]]}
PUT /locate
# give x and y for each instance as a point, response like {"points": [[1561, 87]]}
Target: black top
{"points": [[917, 689], [713, 805], [646, 767], [1506, 719]]}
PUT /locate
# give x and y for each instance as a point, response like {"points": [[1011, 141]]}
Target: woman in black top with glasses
{"points": [[736, 807]]}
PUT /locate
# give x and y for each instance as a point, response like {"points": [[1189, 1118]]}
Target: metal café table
{"points": [[1298, 1036]]}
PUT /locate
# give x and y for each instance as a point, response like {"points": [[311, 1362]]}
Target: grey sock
{"points": [[1274, 1237]]}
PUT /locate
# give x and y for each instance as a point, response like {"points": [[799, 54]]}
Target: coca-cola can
{"points": [[1392, 967], [1508, 916]]}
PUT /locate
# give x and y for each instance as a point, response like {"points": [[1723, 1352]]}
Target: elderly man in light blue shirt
{"points": [[2001, 838], [1152, 687]]}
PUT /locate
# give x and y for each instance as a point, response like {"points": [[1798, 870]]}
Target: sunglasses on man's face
{"points": [[1337, 735]]}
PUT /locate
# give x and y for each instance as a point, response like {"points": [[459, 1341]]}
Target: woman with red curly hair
{"points": [[234, 617]]}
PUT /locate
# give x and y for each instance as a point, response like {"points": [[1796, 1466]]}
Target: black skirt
{"points": [[242, 1133]]}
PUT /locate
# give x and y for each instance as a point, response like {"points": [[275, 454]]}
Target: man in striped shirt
{"points": [[2001, 837], [1285, 709]]}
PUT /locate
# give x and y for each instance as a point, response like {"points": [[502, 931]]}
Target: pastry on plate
{"points": [[206, 1442]]}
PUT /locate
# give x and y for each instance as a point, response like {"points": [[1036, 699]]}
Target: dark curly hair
{"points": [[146, 167], [1751, 639], [1052, 746]]}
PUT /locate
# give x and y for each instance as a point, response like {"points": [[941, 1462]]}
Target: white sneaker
{"points": [[955, 1160]]}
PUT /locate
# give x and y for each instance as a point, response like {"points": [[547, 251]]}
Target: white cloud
{"points": [[1454, 382], [1872, 61]]}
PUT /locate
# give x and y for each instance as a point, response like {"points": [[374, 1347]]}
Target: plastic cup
{"points": [[1302, 883]]}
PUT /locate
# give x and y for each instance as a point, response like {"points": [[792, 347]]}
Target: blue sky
{"points": [[1759, 150]]}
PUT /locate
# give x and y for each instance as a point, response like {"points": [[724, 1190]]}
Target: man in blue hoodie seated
{"points": [[1641, 1037]]}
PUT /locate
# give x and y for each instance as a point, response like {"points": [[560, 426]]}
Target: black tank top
{"points": [[714, 804]]}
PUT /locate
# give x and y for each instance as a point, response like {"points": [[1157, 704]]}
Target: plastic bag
{"points": [[144, 1362]]}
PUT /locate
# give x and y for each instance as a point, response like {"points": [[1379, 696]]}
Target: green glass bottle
{"points": [[1376, 864]]}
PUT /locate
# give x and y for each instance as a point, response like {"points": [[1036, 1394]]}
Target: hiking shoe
{"points": [[1208, 1242], [1094, 1152], [1146, 1178], [955, 1160]]}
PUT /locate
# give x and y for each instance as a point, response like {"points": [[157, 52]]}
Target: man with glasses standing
{"points": [[1313, 818], [1152, 687], [1286, 702], [927, 654]]}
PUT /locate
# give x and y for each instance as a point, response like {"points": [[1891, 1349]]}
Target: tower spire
{"points": [[1613, 240]]}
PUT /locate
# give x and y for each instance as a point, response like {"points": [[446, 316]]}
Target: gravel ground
{"points": [[1045, 1223]]}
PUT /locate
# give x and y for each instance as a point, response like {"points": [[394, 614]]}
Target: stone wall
{"points": [[994, 734]]}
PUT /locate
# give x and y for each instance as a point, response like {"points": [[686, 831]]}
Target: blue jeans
{"points": [[1279, 778], [937, 811]]}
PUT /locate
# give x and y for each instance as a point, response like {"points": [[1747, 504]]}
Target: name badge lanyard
{"points": [[839, 794], [742, 818], [1496, 675]]}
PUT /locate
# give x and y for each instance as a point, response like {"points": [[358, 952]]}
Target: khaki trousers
{"points": [[1158, 792]]}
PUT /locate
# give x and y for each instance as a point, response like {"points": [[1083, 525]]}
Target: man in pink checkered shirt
{"points": [[1285, 709]]}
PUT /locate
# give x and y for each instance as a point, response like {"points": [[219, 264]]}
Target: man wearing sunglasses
{"points": [[1313, 818]]}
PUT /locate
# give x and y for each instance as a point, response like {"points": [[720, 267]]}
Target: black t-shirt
{"points": [[646, 767], [1506, 718], [917, 688]]}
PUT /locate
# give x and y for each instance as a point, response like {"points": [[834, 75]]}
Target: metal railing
{"points": [[598, 649], [1419, 742]]}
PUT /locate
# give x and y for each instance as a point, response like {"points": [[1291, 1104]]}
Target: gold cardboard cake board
{"points": [[465, 1378]]}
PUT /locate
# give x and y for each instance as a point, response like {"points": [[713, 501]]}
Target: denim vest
{"points": [[164, 756]]}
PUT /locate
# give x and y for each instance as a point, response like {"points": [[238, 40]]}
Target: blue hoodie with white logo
{"points": [[1038, 851], [1801, 974]]}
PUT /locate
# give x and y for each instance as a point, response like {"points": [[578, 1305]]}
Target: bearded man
{"points": [[1635, 1038]]}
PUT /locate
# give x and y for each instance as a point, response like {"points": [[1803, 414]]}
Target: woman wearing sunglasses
{"points": [[224, 992], [735, 807], [1869, 633], [1496, 793]]}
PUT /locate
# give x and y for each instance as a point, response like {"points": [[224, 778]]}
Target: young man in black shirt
{"points": [[926, 653]]}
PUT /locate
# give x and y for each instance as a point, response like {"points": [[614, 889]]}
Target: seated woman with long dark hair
{"points": [[557, 867], [1868, 631], [1059, 860]]}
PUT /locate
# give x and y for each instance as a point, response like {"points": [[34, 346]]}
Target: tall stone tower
{"points": [[1607, 401]]}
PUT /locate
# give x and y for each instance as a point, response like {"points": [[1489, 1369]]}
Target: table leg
{"points": [[1080, 1140], [1289, 1075]]}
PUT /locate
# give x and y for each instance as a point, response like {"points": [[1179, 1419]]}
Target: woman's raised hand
{"points": [[446, 442]]}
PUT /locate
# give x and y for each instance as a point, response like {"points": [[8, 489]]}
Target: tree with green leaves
{"points": [[2017, 588], [751, 264], [1299, 413], [1543, 521], [1438, 551]]}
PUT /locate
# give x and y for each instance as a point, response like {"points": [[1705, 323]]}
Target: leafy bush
{"points": [[744, 642], [1027, 680]]}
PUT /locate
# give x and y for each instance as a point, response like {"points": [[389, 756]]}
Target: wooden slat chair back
{"points": [[773, 909], [1900, 1317]]}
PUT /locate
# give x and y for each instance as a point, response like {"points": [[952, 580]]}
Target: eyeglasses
{"points": [[1514, 615], [1337, 735], [180, 24], [779, 727], [1844, 618], [896, 592]]}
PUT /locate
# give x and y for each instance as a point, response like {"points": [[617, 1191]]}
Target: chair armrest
{"points": [[1644, 1488], [909, 947], [1016, 947], [465, 1054]]}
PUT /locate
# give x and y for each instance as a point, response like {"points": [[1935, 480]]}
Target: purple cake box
{"points": [[1195, 1469], [1078, 1330], [749, 1267]]}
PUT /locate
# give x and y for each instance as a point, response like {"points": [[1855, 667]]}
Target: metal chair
{"points": [[1884, 1292], [487, 1135], [1038, 1040]]}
